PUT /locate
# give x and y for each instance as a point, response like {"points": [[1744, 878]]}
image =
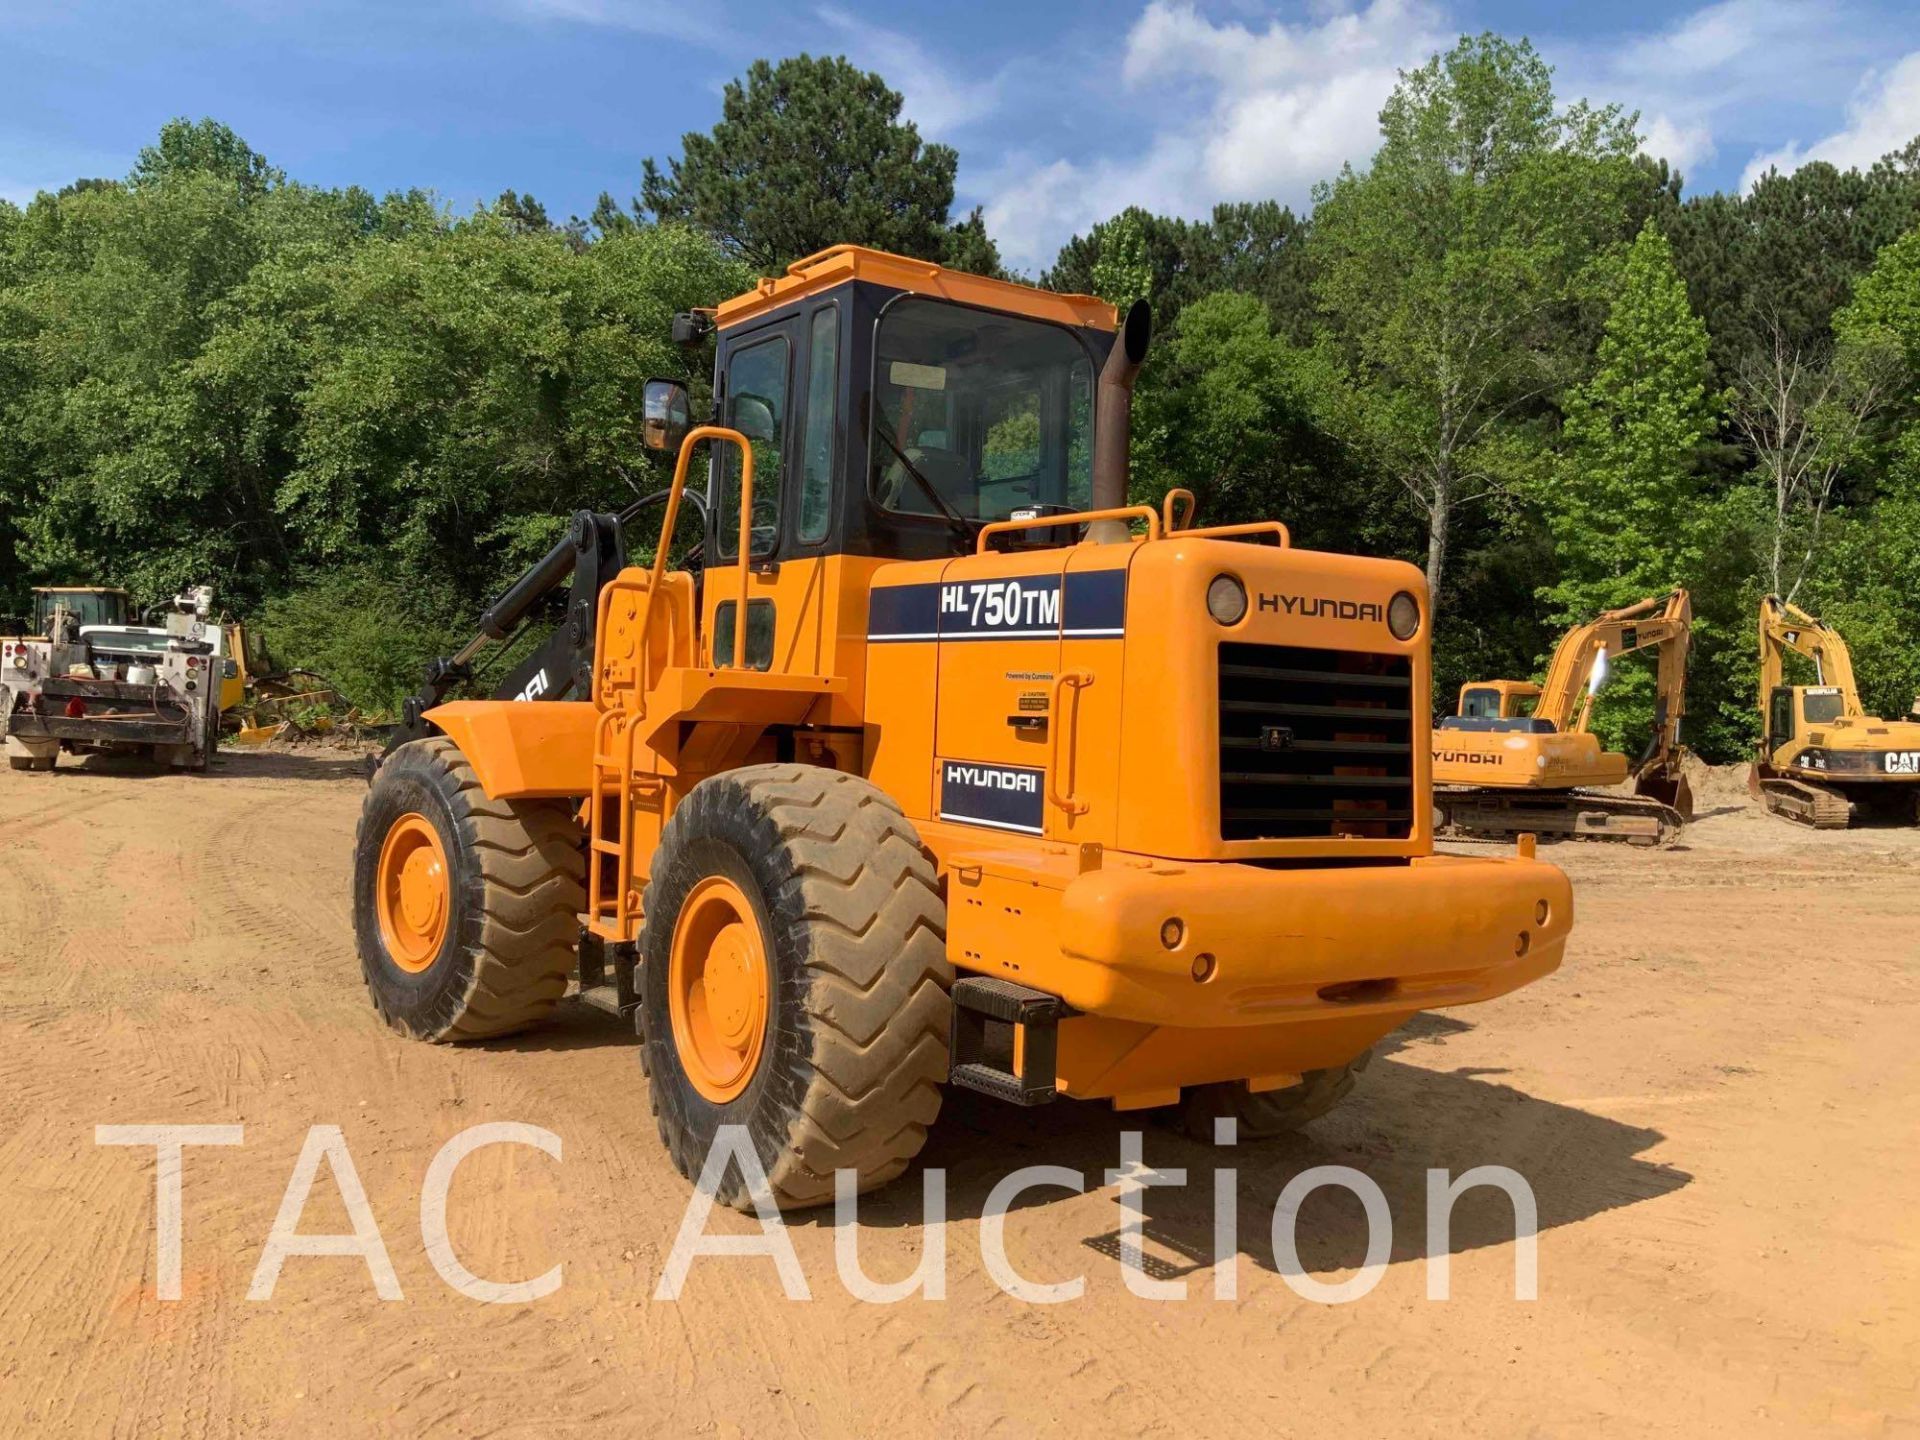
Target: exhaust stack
{"points": [[1112, 421]]}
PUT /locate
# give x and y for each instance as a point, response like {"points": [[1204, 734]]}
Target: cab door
{"points": [[760, 391]]}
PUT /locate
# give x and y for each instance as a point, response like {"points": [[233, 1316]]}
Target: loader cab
{"points": [[894, 408]]}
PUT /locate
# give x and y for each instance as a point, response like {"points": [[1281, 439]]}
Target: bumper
{"points": [[1261, 947]]}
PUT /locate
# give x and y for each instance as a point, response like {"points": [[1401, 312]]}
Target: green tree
{"points": [[809, 153], [1123, 273], [1623, 505], [1447, 272], [1258, 248], [205, 147], [969, 247], [1624, 508], [1868, 582], [1220, 412]]}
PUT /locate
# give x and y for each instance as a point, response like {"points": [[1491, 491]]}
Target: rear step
{"points": [[992, 1021], [607, 976]]}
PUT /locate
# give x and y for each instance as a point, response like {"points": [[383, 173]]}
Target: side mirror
{"points": [[664, 410]]}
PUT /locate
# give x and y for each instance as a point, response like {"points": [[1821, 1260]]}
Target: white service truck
{"points": [[108, 687]]}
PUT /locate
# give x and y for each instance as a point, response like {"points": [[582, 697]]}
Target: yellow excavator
{"points": [[1500, 769], [1823, 760]]}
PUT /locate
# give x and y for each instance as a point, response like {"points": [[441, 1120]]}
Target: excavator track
{"points": [[1805, 803], [1468, 813]]}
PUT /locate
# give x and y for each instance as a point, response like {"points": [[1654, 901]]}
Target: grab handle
{"points": [[1060, 786]]}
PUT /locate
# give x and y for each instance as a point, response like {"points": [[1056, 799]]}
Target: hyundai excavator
{"points": [[1823, 760], [935, 763], [1501, 770]]}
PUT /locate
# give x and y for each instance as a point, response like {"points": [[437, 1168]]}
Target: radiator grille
{"points": [[1314, 743]]}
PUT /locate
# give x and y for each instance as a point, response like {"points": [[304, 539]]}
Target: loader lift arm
{"points": [[589, 555]]}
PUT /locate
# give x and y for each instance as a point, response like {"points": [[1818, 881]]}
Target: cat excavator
{"points": [[1501, 770], [1823, 760]]}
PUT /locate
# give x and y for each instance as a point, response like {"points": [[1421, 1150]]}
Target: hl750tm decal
{"points": [[1090, 605]]}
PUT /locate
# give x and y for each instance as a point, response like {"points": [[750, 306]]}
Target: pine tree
{"points": [[1622, 508], [812, 152]]}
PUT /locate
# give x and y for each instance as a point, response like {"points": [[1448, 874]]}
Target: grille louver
{"points": [[1315, 743]]}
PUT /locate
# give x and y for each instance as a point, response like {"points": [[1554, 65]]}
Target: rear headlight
{"points": [[1227, 600], [1403, 616]]}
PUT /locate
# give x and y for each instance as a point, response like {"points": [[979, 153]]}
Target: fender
{"points": [[522, 751]]}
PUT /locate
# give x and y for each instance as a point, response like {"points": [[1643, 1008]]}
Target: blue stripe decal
{"points": [[1091, 605]]}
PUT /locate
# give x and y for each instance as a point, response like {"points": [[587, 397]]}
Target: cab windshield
{"points": [[977, 415], [1823, 707]]}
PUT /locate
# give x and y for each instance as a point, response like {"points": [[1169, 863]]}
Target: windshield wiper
{"points": [[961, 529]]}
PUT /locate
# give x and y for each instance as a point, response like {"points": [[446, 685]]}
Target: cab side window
{"points": [[1780, 721], [757, 408], [820, 425]]}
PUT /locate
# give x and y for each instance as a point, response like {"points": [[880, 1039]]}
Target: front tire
{"points": [[795, 981], [466, 909]]}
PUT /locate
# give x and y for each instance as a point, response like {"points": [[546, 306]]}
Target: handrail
{"points": [[659, 572], [1179, 492], [1078, 517], [1058, 793], [1251, 527]]}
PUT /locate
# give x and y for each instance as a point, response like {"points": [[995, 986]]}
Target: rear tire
{"points": [[1264, 1114], [499, 882], [846, 923]]}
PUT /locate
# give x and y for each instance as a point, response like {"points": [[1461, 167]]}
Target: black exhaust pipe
{"points": [[1112, 421]]}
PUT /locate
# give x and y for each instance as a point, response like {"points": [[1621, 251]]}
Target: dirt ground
{"points": [[1714, 1102]]}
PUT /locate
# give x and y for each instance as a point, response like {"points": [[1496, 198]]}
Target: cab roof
{"points": [[78, 590], [841, 263]]}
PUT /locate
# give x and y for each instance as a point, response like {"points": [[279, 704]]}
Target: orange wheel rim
{"points": [[718, 988], [415, 894]]}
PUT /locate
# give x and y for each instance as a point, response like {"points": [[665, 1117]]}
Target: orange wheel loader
{"points": [[936, 763], [1500, 769]]}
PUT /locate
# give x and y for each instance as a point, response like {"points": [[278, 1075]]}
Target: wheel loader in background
{"points": [[938, 764], [1499, 771], [1823, 760]]}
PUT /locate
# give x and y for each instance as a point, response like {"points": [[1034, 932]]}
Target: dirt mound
{"points": [[1717, 786]]}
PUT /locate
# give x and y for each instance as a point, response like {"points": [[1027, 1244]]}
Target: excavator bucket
{"points": [[1670, 789]]}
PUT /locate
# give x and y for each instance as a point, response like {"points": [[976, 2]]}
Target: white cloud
{"points": [[1711, 78], [1680, 145], [935, 99], [1249, 113], [646, 17], [1883, 116], [1293, 101]]}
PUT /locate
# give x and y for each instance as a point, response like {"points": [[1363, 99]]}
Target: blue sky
{"points": [[1063, 111]]}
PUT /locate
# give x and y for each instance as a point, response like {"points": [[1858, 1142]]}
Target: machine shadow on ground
{"points": [[291, 765], [1400, 1121]]}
